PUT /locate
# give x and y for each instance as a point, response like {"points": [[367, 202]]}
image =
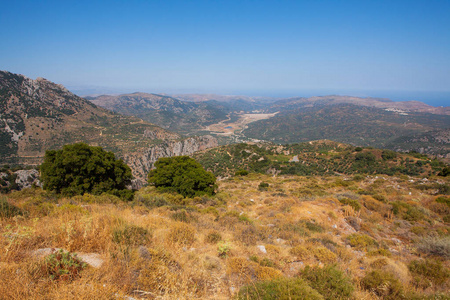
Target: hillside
{"points": [[317, 158], [170, 113], [405, 106], [353, 124], [38, 115], [376, 122], [331, 237]]}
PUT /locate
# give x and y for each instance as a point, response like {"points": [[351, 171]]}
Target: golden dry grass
{"points": [[149, 253]]}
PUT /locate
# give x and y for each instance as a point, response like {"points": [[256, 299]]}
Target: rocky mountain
{"points": [[165, 111], [38, 115]]}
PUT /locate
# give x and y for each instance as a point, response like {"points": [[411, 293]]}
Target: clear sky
{"points": [[252, 47]]}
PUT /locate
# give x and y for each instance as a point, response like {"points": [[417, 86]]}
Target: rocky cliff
{"points": [[142, 163]]}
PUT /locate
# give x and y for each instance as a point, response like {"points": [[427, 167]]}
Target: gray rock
{"points": [[262, 248], [92, 259], [26, 178]]}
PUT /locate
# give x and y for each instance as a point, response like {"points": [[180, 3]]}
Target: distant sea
{"points": [[440, 98], [429, 97]]}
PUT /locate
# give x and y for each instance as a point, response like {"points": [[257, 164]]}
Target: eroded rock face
{"points": [[26, 178], [142, 164]]}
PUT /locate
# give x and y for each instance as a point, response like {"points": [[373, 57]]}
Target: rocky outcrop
{"points": [[142, 164], [27, 178]]}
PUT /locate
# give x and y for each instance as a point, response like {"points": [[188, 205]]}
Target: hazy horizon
{"points": [[433, 98]]}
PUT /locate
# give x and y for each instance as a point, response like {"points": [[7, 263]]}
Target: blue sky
{"points": [[251, 47]]}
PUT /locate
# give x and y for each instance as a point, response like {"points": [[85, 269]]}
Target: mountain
{"points": [[364, 125], [401, 106], [38, 115], [165, 111]]}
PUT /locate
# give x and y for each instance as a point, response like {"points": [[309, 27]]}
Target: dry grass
{"points": [[162, 246]]}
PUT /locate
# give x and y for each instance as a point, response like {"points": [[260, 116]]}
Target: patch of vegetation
{"points": [[263, 186], [428, 272], [352, 202], [130, 235], [439, 246], [183, 175], [79, 168], [280, 288], [64, 266], [361, 241], [383, 284], [8, 210], [331, 282]]}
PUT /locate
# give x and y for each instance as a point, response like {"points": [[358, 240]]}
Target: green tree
{"points": [[183, 175], [79, 168]]}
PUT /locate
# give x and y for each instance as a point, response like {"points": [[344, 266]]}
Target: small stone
{"points": [[262, 248]]}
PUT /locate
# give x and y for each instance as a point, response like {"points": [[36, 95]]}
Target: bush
{"points": [[352, 202], [281, 289], [213, 237], [241, 172], [130, 235], [361, 241], [432, 270], [331, 282], [183, 175], [64, 266], [79, 168], [444, 200], [383, 284], [8, 210], [445, 172], [435, 246], [183, 216], [263, 186], [388, 154]]}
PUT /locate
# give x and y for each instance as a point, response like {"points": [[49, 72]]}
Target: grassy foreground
{"points": [[260, 237]]}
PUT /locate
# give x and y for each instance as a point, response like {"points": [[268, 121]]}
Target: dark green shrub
{"points": [[241, 172], [79, 168], [65, 266], [280, 289], [432, 270], [263, 186], [445, 172], [383, 284], [331, 282], [183, 175], [388, 154]]}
